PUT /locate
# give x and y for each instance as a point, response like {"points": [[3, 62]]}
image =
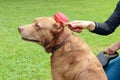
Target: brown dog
{"points": [[71, 57]]}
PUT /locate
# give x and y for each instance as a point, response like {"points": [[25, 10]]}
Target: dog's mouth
{"points": [[32, 40]]}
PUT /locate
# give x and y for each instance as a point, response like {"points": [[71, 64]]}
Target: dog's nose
{"points": [[20, 29]]}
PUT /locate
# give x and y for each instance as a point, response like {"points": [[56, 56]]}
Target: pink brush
{"points": [[60, 18]]}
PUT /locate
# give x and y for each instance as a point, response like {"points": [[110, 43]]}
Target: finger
{"points": [[75, 26], [75, 21], [106, 52], [77, 30], [109, 51]]}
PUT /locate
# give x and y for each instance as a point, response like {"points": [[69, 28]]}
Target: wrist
{"points": [[91, 26]]}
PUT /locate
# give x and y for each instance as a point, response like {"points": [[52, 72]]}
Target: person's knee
{"points": [[113, 69]]}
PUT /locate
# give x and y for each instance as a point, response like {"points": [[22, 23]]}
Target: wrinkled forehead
{"points": [[45, 19]]}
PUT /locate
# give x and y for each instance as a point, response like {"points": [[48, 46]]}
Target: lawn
{"points": [[21, 60]]}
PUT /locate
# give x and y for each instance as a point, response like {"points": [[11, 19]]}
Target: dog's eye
{"points": [[37, 25]]}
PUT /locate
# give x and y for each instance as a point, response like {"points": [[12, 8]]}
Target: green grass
{"points": [[20, 60]]}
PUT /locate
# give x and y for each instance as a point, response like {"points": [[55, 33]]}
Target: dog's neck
{"points": [[62, 43], [58, 41]]}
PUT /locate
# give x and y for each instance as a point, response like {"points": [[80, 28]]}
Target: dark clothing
{"points": [[110, 24], [112, 70]]}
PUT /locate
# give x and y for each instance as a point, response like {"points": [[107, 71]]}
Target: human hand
{"points": [[79, 25], [112, 49]]}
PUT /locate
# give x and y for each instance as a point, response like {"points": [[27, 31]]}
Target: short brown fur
{"points": [[71, 61]]}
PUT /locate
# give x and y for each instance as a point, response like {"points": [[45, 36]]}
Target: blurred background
{"points": [[21, 60]]}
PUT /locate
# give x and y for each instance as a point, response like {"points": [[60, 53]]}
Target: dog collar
{"points": [[61, 44]]}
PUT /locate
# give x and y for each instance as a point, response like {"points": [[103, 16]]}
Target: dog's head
{"points": [[42, 31]]}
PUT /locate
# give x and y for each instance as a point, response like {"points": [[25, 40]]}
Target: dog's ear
{"points": [[57, 28]]}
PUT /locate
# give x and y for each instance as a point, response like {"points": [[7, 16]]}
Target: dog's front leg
{"points": [[56, 75]]}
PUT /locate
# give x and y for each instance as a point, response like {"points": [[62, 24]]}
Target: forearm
{"points": [[117, 45], [110, 24], [103, 29]]}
